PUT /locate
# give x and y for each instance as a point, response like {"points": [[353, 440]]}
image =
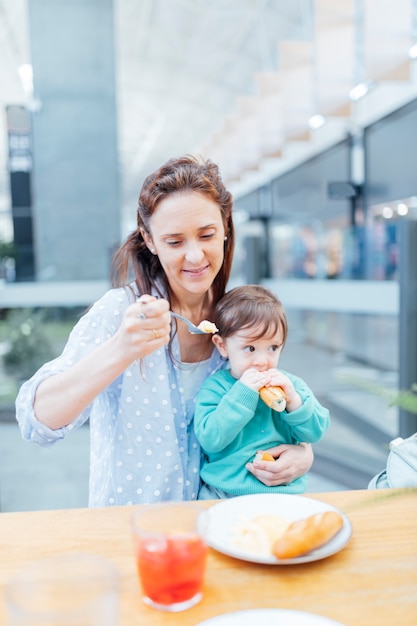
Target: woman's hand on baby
{"points": [[291, 462], [146, 326]]}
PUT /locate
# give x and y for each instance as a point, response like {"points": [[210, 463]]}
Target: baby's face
{"points": [[244, 352]]}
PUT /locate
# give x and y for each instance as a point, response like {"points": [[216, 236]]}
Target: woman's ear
{"points": [[220, 344], [148, 240]]}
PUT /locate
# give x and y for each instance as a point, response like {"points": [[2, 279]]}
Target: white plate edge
{"points": [[262, 613]]}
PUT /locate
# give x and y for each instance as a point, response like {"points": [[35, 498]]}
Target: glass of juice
{"points": [[171, 552]]}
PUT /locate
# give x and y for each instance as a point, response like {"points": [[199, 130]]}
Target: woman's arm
{"points": [[60, 398]]}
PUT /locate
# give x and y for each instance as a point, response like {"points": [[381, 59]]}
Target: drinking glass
{"points": [[171, 551], [78, 589]]}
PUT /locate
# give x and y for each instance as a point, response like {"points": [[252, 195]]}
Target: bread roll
{"points": [[264, 456], [274, 397], [308, 534]]}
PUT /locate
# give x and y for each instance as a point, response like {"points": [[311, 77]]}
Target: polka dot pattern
{"points": [[143, 446]]}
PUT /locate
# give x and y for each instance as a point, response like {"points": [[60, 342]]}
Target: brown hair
{"points": [[251, 306], [183, 174]]}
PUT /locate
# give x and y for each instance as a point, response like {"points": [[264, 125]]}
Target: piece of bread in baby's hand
{"points": [[263, 456], [274, 397], [307, 534]]}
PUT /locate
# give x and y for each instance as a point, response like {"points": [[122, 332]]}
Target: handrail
{"points": [[341, 296]]}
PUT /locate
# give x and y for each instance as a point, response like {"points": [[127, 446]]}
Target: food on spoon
{"points": [[263, 456], [274, 397], [258, 534], [305, 535], [208, 327]]}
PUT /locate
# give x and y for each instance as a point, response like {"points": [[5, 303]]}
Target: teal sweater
{"points": [[232, 422]]}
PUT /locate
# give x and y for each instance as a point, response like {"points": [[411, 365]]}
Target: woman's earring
{"points": [[225, 238], [152, 250]]}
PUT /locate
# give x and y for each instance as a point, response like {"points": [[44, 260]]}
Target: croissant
{"points": [[274, 397]]}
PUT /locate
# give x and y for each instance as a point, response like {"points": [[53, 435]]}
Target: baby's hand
{"points": [[254, 379], [278, 379]]}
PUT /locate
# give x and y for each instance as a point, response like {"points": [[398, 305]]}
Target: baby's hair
{"points": [[251, 306]]}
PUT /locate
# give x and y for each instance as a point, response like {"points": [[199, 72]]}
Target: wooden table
{"points": [[373, 580]]}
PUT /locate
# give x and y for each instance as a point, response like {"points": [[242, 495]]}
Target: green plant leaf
{"points": [[404, 399]]}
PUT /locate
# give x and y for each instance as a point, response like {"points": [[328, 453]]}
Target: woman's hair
{"points": [[251, 306], [184, 174]]}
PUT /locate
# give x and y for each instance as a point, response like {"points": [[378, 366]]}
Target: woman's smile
{"points": [[196, 271]]}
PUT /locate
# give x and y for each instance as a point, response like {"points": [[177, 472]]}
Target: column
{"points": [[75, 171]]}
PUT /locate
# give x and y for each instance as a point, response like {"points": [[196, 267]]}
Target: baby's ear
{"points": [[220, 344]]}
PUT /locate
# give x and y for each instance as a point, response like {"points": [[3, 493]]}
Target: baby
{"points": [[232, 422]]}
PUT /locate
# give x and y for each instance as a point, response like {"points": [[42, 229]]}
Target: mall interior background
{"points": [[325, 215]]}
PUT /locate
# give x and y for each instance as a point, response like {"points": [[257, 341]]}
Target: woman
{"points": [[132, 370]]}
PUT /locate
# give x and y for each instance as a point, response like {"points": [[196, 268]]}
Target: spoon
{"points": [[192, 328]]}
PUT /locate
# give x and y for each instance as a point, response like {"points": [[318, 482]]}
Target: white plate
{"points": [[225, 516], [272, 617]]}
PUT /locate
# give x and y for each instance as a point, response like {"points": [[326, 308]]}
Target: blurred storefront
{"points": [[318, 224]]}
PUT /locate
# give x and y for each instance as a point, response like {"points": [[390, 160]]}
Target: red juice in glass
{"points": [[172, 572], [171, 554]]}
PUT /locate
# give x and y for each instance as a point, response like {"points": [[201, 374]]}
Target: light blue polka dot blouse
{"points": [[142, 442]]}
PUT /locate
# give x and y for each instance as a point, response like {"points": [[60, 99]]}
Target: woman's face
{"points": [[187, 234]]}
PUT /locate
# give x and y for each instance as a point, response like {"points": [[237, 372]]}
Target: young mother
{"points": [[134, 371]]}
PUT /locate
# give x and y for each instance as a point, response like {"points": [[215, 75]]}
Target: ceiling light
{"points": [[358, 91], [25, 72], [387, 212], [316, 121], [412, 53], [402, 209]]}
